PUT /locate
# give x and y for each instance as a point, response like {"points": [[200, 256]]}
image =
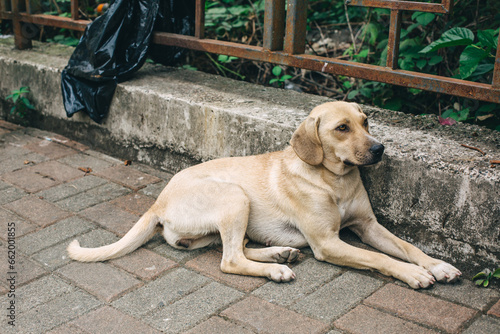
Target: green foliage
{"points": [[279, 76], [477, 59], [485, 277], [21, 102]]}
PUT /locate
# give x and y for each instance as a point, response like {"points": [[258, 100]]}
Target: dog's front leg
{"points": [[377, 236], [323, 237]]}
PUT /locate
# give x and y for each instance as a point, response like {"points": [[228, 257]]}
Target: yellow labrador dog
{"points": [[286, 200]]}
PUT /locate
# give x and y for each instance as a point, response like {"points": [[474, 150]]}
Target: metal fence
{"points": [[284, 43]]}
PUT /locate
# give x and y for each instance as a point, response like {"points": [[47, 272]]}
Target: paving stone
{"points": [[161, 172], [363, 319], [83, 160], [42, 176], [55, 312], [193, 308], [267, 317], [219, 326], [160, 292], [67, 329], [92, 197], [101, 280], [128, 177], [29, 180], [337, 297], [21, 226], [9, 126], [10, 194], [495, 309], [135, 203], [68, 142], [484, 325], [53, 234], [208, 264], [465, 292], [71, 188], [18, 160], [111, 217], [144, 263], [24, 269], [38, 211], [177, 255], [38, 292], [420, 307], [108, 158], [154, 190], [50, 149], [310, 275], [111, 321], [57, 256]]}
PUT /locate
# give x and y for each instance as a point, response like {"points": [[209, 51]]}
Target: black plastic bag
{"points": [[115, 45]]}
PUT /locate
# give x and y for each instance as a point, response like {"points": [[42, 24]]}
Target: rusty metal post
{"points": [[199, 26], [20, 41], [274, 25], [296, 19], [75, 15], [496, 71], [393, 42]]}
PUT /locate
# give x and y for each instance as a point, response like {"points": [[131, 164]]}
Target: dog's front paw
{"points": [[445, 272], [281, 273], [415, 276]]}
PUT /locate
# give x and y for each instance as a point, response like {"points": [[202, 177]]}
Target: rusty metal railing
{"points": [[284, 43]]}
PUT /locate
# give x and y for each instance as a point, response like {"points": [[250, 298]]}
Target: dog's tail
{"points": [[141, 232]]}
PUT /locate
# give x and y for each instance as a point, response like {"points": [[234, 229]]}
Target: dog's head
{"points": [[336, 135]]}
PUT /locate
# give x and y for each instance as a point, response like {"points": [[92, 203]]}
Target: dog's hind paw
{"points": [[445, 272], [286, 254]]}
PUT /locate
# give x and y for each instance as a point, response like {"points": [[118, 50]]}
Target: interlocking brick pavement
{"points": [[159, 289]]}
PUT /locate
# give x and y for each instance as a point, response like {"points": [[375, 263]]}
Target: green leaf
{"points": [[273, 81], [496, 273], [463, 115], [285, 77], [347, 84], [470, 59], [352, 94], [435, 60], [24, 89], [27, 103], [453, 37], [277, 71], [450, 113], [423, 18], [480, 274], [421, 63], [486, 283], [487, 38], [394, 104], [223, 58], [479, 282]]}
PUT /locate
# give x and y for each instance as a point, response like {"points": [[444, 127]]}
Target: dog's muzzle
{"points": [[377, 151]]}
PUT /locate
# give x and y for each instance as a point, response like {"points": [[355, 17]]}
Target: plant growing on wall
{"points": [[21, 102]]}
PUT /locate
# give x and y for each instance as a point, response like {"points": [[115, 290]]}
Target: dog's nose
{"points": [[377, 149]]}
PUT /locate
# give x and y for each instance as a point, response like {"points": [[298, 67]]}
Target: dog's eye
{"points": [[342, 128]]}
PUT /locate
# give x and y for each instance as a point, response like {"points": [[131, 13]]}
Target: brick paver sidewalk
{"points": [[50, 197]]}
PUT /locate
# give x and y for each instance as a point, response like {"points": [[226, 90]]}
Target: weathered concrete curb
{"points": [[429, 190]]}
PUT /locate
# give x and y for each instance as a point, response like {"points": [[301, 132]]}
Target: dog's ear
{"points": [[306, 143]]}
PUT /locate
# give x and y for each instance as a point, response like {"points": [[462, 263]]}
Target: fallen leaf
{"points": [[86, 170], [27, 162], [128, 162], [447, 121]]}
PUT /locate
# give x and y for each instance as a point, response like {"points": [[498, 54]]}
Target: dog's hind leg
{"points": [[232, 228], [272, 254]]}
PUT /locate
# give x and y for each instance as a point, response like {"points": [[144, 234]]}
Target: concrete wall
{"points": [[429, 189]]}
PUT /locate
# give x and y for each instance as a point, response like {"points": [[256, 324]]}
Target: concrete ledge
{"points": [[429, 190]]}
